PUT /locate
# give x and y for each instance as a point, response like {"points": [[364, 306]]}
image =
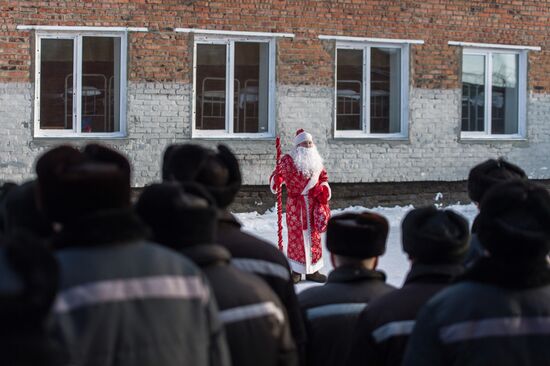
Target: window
{"points": [[80, 84], [493, 93], [233, 87], [371, 90]]}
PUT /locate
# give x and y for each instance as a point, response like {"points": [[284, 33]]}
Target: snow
{"points": [[394, 262]]}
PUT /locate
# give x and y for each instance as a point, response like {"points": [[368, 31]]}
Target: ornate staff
{"points": [[279, 196]]}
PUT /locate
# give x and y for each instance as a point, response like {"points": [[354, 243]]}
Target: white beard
{"points": [[307, 160]]}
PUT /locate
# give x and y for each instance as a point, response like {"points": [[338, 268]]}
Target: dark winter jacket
{"points": [[476, 250], [255, 321], [126, 301], [383, 328], [331, 311], [254, 255], [498, 314], [28, 285]]}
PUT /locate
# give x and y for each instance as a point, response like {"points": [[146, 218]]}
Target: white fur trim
{"points": [[311, 183], [301, 268], [329, 190], [304, 136]]}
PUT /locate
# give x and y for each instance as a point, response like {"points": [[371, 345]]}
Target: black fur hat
{"points": [[217, 171], [491, 172], [72, 183], [514, 221], [180, 215], [433, 236], [357, 235]]}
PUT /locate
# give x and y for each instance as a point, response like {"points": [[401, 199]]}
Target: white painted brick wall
{"points": [[160, 114]]}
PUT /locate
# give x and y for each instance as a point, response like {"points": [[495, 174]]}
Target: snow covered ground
{"points": [[394, 263]]}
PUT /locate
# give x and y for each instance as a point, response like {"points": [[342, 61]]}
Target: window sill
{"points": [[79, 137], [485, 139], [371, 138], [233, 137]]}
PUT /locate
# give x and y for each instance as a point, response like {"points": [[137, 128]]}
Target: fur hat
{"points": [[302, 136], [433, 236], [179, 215], [357, 235], [72, 183], [217, 171], [514, 221], [490, 172]]}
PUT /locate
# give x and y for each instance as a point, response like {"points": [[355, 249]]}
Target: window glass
{"points": [[210, 86], [473, 93], [504, 92], [56, 83], [349, 89], [251, 91], [100, 105], [385, 90]]}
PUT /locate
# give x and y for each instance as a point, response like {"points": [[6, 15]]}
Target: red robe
{"points": [[306, 215]]}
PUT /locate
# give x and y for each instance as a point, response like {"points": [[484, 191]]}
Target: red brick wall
{"points": [[162, 55]]}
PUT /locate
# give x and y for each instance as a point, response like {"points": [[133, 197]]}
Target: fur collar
{"points": [[355, 273], [433, 273], [513, 275], [102, 228], [205, 255], [227, 218]]}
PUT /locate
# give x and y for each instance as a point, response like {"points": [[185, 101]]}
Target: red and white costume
{"points": [[307, 213]]}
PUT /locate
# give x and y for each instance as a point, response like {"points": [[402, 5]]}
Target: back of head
{"points": [[357, 235], [485, 175], [21, 212], [180, 215], [514, 221], [73, 183], [433, 236], [217, 171]]}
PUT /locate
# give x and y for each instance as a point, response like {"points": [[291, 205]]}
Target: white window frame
{"points": [[76, 35], [404, 46], [522, 93], [229, 40]]}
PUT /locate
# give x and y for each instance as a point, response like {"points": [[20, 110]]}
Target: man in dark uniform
{"points": [[480, 179], [355, 242], [218, 171], [436, 242], [122, 299], [183, 218], [498, 312]]}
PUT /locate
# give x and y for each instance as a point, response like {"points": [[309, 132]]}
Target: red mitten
{"points": [[277, 182]]}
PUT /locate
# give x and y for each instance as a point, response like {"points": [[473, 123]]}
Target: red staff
{"points": [[279, 196]]}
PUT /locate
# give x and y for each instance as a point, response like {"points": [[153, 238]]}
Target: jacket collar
{"points": [[101, 228], [512, 275], [433, 273], [227, 218], [355, 273], [205, 255]]}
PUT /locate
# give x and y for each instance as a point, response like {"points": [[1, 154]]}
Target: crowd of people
{"points": [[89, 277]]}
